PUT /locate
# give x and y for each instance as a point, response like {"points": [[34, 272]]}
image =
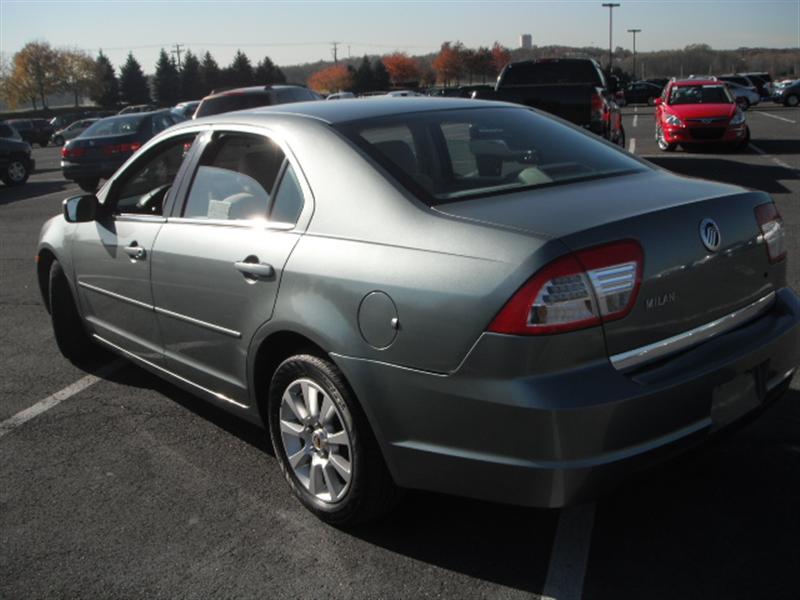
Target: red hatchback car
{"points": [[699, 111]]}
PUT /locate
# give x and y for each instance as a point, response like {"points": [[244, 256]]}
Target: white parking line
{"points": [[766, 114], [632, 146], [774, 159], [570, 554], [46, 404], [635, 120]]}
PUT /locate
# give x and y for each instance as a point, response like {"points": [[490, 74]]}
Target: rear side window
{"points": [[235, 179], [115, 126], [230, 102], [449, 155]]}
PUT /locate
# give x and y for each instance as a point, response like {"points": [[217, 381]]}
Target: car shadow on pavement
{"points": [[777, 147], [760, 177], [31, 189], [721, 522]]}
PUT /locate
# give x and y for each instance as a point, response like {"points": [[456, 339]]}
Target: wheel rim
{"points": [[316, 441], [662, 143], [16, 171]]}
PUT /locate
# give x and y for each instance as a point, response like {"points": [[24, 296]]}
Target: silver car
{"points": [[745, 97], [444, 294], [72, 131]]}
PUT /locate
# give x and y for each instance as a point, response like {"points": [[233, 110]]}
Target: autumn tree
{"points": [[191, 82], [501, 56], [34, 74], [166, 82], [267, 72], [380, 76], [331, 79], [104, 89], [448, 63], [402, 68], [75, 72], [240, 71], [364, 80], [15, 86], [210, 74], [133, 87]]}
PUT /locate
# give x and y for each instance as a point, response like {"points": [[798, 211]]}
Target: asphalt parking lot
{"points": [[132, 488]]}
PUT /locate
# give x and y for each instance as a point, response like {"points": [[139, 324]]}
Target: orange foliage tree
{"points": [[331, 79], [448, 64], [501, 56], [402, 68]]}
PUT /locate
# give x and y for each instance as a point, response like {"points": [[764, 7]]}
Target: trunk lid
{"points": [[684, 285]]}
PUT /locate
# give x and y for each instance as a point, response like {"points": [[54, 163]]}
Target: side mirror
{"points": [[81, 209], [658, 101]]}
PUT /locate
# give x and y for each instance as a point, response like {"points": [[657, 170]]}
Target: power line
{"points": [[334, 49]]}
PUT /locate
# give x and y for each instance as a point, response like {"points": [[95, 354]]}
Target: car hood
{"points": [[702, 111]]}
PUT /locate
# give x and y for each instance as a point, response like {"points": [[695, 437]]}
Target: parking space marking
{"points": [[771, 116], [774, 159], [570, 553], [632, 146], [29, 413], [635, 120]]}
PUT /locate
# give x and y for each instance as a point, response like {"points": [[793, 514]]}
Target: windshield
{"points": [[115, 126], [700, 94], [449, 155]]}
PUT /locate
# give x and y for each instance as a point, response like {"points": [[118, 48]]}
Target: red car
{"points": [[699, 111]]}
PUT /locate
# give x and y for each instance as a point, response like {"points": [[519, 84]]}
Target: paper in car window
{"points": [[219, 209]]}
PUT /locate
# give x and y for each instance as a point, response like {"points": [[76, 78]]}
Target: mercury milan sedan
{"points": [[452, 295]]}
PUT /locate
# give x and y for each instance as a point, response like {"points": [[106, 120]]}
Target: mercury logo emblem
{"points": [[710, 235]]}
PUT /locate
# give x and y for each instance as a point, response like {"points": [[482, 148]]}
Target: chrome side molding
{"points": [[687, 339]]}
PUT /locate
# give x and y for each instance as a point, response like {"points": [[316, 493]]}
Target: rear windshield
{"points": [[700, 94], [561, 71], [450, 155], [231, 102], [115, 126]]}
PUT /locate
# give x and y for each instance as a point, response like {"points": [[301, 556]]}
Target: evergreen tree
{"points": [[380, 76], [133, 87], [267, 72], [210, 75], [105, 88], [364, 79], [240, 73], [167, 82], [191, 81]]}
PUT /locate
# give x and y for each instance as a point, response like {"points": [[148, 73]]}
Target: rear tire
{"points": [[343, 482], [88, 185], [791, 100], [71, 336]]}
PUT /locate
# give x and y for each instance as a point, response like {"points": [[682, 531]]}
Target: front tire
{"points": [[16, 173], [71, 337], [663, 145], [324, 445], [791, 100]]}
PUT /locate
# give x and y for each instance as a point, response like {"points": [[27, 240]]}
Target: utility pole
{"points": [[177, 53], [611, 6], [634, 32], [334, 51]]}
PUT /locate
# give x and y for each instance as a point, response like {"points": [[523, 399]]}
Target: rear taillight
{"points": [[72, 152], [772, 230], [598, 106], [576, 291], [121, 148]]}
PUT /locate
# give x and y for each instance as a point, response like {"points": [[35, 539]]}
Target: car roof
{"points": [[253, 89], [358, 108], [682, 82]]}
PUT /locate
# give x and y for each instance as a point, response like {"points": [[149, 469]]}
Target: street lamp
{"points": [[611, 6], [634, 32]]}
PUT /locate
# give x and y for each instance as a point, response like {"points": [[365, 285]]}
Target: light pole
{"points": [[634, 32], [611, 6]]}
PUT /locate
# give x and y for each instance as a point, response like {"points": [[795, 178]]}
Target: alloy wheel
{"points": [[16, 171], [315, 440]]}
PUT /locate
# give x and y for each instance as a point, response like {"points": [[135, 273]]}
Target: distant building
{"points": [[525, 41]]}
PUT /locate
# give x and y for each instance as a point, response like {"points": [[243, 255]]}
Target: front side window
{"points": [[143, 191], [235, 179], [448, 155]]}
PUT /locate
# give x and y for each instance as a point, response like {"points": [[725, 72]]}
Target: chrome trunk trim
{"points": [[687, 339]]}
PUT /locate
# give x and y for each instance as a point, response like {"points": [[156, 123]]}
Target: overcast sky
{"points": [[302, 31]]}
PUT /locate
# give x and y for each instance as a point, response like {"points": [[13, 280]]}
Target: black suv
{"points": [[16, 163], [33, 131], [251, 97]]}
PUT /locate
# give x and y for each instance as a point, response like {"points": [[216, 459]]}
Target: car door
{"points": [[218, 260], [111, 255]]}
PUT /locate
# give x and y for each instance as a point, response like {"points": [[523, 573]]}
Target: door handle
{"points": [[135, 251], [255, 270]]}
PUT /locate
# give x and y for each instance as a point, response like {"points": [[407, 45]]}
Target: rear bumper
{"points": [[488, 431]]}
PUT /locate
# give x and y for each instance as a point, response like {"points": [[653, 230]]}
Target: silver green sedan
{"points": [[452, 295]]}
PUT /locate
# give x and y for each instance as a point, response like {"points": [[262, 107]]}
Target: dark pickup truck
{"points": [[574, 89]]}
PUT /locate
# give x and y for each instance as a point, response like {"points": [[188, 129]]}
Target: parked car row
{"points": [[16, 160]]}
